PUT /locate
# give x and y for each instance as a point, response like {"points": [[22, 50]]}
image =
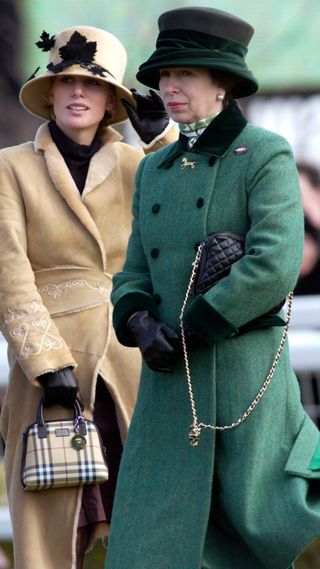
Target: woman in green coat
{"points": [[246, 497]]}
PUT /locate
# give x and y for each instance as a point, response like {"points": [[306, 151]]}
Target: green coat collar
{"points": [[215, 140]]}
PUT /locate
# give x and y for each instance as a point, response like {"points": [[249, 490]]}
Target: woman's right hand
{"points": [[157, 342], [149, 118], [59, 388]]}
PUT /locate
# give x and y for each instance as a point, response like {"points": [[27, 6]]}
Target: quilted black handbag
{"points": [[218, 252]]}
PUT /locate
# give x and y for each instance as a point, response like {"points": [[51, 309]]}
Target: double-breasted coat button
{"points": [[155, 252], [155, 208], [200, 202], [157, 298]]}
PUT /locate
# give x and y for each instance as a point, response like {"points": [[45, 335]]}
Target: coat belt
{"points": [[73, 290]]}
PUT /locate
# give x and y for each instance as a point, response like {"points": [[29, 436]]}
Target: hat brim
{"points": [[149, 72], [34, 94]]}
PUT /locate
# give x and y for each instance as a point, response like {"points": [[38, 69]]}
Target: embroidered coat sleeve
{"points": [[25, 322]]}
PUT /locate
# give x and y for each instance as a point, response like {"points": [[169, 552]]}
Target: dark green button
{"points": [[157, 298], [200, 202], [155, 253], [156, 208]]}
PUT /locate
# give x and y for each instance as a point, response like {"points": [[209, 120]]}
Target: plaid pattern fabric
{"points": [[52, 461]]}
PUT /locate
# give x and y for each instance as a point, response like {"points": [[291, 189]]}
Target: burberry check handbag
{"points": [[62, 453]]}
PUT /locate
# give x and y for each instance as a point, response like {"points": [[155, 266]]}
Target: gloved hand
{"points": [[150, 118], [192, 340], [155, 340], [60, 388]]}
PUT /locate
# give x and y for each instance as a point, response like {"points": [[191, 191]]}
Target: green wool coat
{"points": [[247, 498]]}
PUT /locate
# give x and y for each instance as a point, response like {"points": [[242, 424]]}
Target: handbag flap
{"points": [[219, 252]]}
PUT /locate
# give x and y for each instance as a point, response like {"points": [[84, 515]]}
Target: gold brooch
{"points": [[185, 163]]}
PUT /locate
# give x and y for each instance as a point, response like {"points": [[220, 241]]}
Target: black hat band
{"points": [[94, 68], [201, 58], [185, 39]]}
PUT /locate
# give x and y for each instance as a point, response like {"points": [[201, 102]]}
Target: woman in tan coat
{"points": [[65, 217]]}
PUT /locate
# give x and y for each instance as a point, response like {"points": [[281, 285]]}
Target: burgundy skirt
{"points": [[97, 500]]}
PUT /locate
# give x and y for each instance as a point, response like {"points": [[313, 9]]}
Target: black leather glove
{"points": [[60, 388], [192, 340], [150, 118], [155, 340]]}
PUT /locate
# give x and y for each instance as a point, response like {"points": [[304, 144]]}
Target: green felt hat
{"points": [[202, 37]]}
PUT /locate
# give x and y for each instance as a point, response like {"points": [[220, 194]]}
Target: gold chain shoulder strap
{"points": [[195, 428]]}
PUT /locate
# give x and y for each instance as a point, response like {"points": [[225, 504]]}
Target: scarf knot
{"points": [[194, 129]]}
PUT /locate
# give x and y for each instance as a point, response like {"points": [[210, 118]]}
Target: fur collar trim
{"points": [[100, 168]]}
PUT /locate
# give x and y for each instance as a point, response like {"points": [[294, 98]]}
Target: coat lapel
{"points": [[103, 162], [215, 140], [101, 165]]}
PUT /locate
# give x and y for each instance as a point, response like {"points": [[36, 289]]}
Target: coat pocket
{"points": [[304, 458]]}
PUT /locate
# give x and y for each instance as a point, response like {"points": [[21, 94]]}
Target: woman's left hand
{"points": [[191, 338], [158, 343], [60, 387], [149, 118]]}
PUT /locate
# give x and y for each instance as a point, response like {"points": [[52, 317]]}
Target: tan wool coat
{"points": [[59, 251]]}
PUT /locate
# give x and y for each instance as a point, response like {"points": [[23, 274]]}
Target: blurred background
{"points": [[283, 55]]}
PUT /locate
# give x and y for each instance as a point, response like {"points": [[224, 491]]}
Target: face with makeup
{"points": [[79, 105], [190, 93]]}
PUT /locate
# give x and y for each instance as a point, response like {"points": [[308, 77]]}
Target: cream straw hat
{"points": [[84, 51]]}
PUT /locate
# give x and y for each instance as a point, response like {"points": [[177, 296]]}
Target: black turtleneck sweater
{"points": [[76, 156]]}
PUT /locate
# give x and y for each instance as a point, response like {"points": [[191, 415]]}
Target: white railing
{"points": [[3, 362], [304, 334], [5, 524], [5, 521]]}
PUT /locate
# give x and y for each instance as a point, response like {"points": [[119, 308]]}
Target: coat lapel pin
{"points": [[185, 163], [241, 150]]}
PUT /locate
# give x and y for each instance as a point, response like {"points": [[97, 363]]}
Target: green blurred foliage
{"points": [[282, 53]]}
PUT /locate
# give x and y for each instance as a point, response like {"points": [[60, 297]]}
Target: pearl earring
{"points": [[220, 97]]}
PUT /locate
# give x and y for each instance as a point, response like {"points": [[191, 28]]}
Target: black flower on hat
{"points": [[46, 42], [78, 51], [78, 48]]}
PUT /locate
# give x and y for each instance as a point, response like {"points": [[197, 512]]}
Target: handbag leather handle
{"points": [[80, 426]]}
